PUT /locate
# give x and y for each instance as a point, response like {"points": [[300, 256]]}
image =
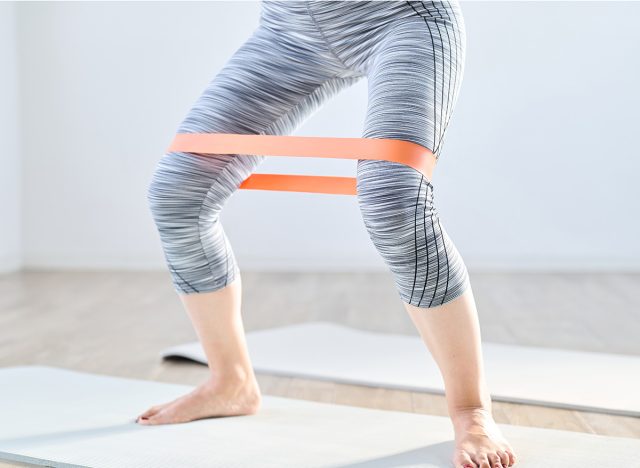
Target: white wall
{"points": [[10, 219], [539, 169]]}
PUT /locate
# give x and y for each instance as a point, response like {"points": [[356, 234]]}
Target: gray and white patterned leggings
{"points": [[301, 54]]}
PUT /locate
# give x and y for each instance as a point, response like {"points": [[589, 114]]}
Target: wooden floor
{"points": [[116, 323]]}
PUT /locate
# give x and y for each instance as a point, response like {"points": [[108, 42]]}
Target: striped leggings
{"points": [[301, 54]]}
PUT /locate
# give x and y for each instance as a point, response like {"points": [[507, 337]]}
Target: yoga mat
{"points": [[63, 418], [608, 383]]}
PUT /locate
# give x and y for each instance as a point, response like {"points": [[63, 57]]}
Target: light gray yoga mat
{"points": [[61, 418], [608, 383]]}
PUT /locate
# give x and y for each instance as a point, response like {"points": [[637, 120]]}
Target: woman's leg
{"points": [[452, 335], [413, 84], [269, 86]]}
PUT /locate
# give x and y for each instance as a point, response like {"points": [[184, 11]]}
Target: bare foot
{"points": [[479, 441], [211, 399]]}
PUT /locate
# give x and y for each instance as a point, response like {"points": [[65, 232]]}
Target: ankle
{"points": [[466, 415], [230, 377], [465, 407]]}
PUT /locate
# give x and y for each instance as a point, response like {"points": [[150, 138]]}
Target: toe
{"points": [[512, 457], [465, 461], [483, 462], [504, 458], [150, 412], [161, 417], [494, 460]]}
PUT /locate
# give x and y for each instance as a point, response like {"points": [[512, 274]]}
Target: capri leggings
{"points": [[301, 54]]}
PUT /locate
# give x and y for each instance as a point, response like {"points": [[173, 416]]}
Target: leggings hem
{"points": [[212, 287]]}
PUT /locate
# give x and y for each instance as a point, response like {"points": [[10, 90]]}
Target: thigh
{"points": [[414, 79], [268, 77], [270, 85]]}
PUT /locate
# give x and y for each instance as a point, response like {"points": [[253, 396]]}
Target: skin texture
{"points": [[450, 331]]}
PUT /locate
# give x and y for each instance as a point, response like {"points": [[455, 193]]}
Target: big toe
{"points": [[150, 412], [161, 417]]}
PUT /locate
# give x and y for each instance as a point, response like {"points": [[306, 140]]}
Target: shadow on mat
{"points": [[436, 455]]}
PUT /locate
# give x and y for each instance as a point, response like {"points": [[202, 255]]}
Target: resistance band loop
{"points": [[400, 151]]}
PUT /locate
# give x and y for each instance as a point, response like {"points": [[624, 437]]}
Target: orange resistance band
{"points": [[400, 151]]}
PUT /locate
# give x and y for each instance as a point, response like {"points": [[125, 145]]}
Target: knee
{"points": [[185, 196], [391, 196], [163, 193], [159, 193], [397, 206], [180, 195]]}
